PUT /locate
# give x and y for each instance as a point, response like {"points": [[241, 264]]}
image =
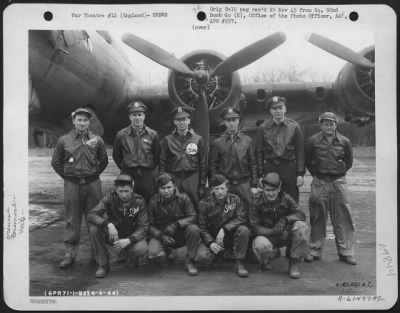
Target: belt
{"points": [[328, 177], [82, 180], [237, 181], [280, 161], [183, 174], [136, 171]]}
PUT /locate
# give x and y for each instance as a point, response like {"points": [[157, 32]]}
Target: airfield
{"points": [[325, 277]]}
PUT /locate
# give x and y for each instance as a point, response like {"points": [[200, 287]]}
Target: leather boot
{"points": [[241, 271], [66, 262], [349, 259], [191, 267], [122, 256], [310, 258], [102, 271], [265, 263], [294, 271]]}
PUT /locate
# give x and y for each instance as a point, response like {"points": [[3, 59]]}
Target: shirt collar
{"points": [[76, 134], [335, 137], [228, 136], [140, 131], [269, 123], [189, 132]]}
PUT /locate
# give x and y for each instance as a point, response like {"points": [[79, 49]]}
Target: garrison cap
{"points": [[81, 111], [180, 112], [163, 179], [124, 178], [272, 179], [230, 113], [274, 101], [217, 180], [328, 116], [137, 106]]}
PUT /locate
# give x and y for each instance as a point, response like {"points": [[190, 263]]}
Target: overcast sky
{"points": [[296, 51]]}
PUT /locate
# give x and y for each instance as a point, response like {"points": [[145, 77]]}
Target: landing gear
{"points": [[42, 138]]}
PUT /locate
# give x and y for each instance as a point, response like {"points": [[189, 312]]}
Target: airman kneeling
{"points": [[276, 222], [120, 220], [222, 221]]}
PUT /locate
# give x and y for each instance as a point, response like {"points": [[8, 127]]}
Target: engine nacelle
{"points": [[354, 90], [221, 91]]}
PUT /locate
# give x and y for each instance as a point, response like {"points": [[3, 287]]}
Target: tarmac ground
{"points": [[328, 276]]}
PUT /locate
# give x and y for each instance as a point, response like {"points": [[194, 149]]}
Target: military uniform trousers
{"points": [[144, 179], [287, 170], [294, 237], [79, 199], [189, 237], [188, 182], [330, 198], [237, 240], [137, 252], [242, 189]]}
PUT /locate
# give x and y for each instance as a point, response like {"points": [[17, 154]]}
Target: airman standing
{"points": [[137, 151], [329, 156], [183, 155], [79, 158], [280, 148], [232, 155]]}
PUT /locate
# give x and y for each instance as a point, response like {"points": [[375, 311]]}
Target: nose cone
{"points": [[201, 77]]}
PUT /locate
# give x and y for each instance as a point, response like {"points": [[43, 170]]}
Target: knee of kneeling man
{"points": [[140, 247], [299, 226], [204, 257], [243, 229], [93, 229], [193, 228], [262, 243]]}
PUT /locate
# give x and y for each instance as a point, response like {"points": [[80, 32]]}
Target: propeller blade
{"points": [[338, 50], [249, 54], [156, 54], [201, 120]]}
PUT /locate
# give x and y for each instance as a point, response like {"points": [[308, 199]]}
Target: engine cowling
{"points": [[354, 90], [221, 91]]}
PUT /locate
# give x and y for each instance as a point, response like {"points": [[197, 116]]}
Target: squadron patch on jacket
{"points": [[131, 211], [92, 142], [191, 149], [229, 207]]}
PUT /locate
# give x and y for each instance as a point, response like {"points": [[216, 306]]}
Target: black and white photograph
{"points": [[226, 153]]}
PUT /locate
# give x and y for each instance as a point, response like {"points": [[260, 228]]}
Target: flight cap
{"points": [[275, 101], [124, 178], [272, 179], [81, 111], [217, 180], [137, 106], [230, 113], [328, 116], [180, 112], [163, 179]]}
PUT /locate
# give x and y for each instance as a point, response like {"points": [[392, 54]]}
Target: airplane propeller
{"points": [[338, 50], [233, 63], [249, 54], [156, 54], [201, 119]]}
